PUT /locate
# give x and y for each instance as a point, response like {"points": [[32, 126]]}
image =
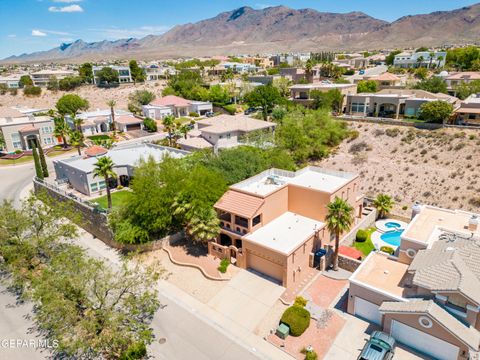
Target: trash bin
{"points": [[282, 331]]}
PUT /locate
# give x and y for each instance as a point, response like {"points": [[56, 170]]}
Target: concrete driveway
{"points": [[246, 299], [352, 338]]}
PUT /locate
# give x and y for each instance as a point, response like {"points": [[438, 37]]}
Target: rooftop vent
{"points": [[473, 223]]}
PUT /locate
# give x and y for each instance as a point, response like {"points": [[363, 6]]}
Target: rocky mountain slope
{"points": [[279, 29]]}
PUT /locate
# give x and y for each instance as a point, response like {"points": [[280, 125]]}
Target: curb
{"points": [[179, 263]]}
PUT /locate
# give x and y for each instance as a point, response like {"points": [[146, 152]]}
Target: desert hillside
{"points": [[440, 167]]}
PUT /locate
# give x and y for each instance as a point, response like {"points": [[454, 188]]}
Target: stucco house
{"points": [[222, 131], [77, 171], [274, 223], [456, 78], [42, 77], [176, 106], [428, 296], [468, 113], [22, 129], [124, 74], [395, 103], [409, 59], [300, 93], [99, 121]]}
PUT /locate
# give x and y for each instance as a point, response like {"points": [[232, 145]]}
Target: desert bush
{"points": [[474, 201], [193, 114], [30, 90], [300, 301], [387, 249], [360, 146], [297, 319], [392, 132]]}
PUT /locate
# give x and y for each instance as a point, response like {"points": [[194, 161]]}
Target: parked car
{"points": [[210, 114], [250, 111], [380, 346]]}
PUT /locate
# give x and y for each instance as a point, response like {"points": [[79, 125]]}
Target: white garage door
{"points": [[368, 311], [425, 343], [264, 266]]}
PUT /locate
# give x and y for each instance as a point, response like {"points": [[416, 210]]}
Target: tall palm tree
{"points": [[339, 219], [112, 103], [431, 56], [61, 129], [76, 139], [384, 204], [420, 61], [203, 227], [104, 168], [169, 125], [183, 130], [78, 125]]}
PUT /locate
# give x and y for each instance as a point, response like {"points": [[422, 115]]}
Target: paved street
{"points": [[191, 329]]}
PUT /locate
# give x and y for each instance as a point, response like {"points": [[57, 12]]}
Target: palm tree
{"points": [[76, 139], [384, 204], [439, 61], [184, 129], [420, 61], [339, 219], [203, 227], [431, 56], [61, 129], [112, 103], [169, 125], [78, 125], [104, 168]]}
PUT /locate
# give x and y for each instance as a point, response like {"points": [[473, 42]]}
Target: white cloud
{"points": [[67, 9], [120, 33], [66, 1], [11, 35], [38, 33]]}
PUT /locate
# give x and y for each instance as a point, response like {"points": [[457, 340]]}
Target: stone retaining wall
{"points": [[96, 223], [347, 263]]}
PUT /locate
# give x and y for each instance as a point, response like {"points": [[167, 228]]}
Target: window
{"points": [[229, 136], [102, 185], [358, 107], [16, 142], [241, 221], [411, 253], [47, 140], [94, 187], [256, 220], [425, 322], [47, 129]]}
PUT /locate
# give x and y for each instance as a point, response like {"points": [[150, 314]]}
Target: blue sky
{"points": [[33, 25]]}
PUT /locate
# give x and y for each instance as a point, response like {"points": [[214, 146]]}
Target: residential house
{"points": [[223, 131], [454, 79], [78, 171], [42, 77], [468, 113], [12, 81], [274, 223], [420, 59], [262, 62], [99, 121], [385, 80], [21, 130], [176, 106], [124, 74], [155, 72], [428, 296], [393, 103], [300, 93], [240, 67]]}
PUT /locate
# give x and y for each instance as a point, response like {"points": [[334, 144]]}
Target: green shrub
{"points": [[231, 109], [387, 249], [150, 125], [193, 114], [300, 301], [309, 355], [13, 91], [223, 266], [361, 236], [134, 352], [392, 132], [31, 90], [297, 319]]}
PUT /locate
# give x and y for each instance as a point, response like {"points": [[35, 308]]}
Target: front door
{"points": [[31, 140]]}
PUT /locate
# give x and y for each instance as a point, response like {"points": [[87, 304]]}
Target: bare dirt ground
{"points": [[437, 167], [96, 97]]}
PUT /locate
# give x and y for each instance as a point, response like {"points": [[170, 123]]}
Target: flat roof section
{"points": [[381, 272], [423, 225], [286, 233], [310, 177]]}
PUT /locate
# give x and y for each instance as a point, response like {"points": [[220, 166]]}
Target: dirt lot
{"points": [[96, 97], [436, 167]]}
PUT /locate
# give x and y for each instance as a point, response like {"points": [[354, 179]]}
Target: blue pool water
{"points": [[392, 225], [392, 237]]}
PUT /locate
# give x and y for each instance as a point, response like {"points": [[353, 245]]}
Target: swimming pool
{"points": [[392, 237]]}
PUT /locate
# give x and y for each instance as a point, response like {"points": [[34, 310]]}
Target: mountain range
{"points": [[277, 29]]}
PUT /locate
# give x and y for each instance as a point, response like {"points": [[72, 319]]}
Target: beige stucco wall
{"points": [[436, 330], [275, 205], [404, 246], [365, 294]]}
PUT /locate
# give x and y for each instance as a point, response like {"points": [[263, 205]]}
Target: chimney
{"points": [[473, 223], [416, 209]]}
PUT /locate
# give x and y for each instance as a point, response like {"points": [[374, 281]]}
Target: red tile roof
{"points": [[95, 150], [350, 252], [171, 100], [239, 203], [29, 128], [127, 119]]}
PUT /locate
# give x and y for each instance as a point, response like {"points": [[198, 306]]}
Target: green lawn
{"points": [[98, 137], [57, 152], [22, 160], [119, 199], [367, 246]]}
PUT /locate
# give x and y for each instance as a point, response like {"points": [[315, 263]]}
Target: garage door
{"points": [[367, 310], [264, 266], [134, 127], [424, 343]]}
